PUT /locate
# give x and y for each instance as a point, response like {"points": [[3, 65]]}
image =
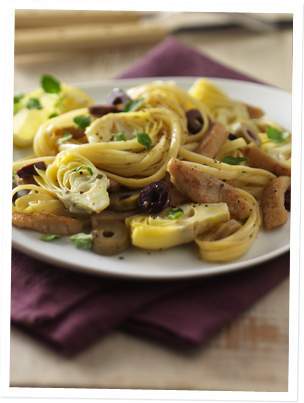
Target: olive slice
{"points": [[124, 201], [245, 130], [117, 96], [287, 197], [29, 170], [101, 110], [154, 197], [110, 237], [195, 121]]}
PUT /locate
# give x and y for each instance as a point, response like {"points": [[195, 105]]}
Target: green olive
{"points": [[247, 131], [124, 201], [110, 237]]}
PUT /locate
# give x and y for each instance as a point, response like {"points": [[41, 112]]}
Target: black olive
{"points": [[101, 110], [287, 199], [29, 170], [117, 96], [154, 197], [195, 121]]}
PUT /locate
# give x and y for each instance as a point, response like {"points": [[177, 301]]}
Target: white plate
{"points": [[179, 262]]}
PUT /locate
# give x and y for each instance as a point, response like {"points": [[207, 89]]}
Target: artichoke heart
{"points": [[160, 232], [74, 180]]}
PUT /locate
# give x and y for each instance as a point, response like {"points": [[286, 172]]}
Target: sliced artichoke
{"points": [[161, 232], [74, 180]]}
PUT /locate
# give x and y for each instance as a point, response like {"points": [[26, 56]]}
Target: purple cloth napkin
{"points": [[70, 310]]}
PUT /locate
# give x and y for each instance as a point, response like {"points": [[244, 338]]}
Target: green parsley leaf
{"points": [[133, 105], [53, 115], [14, 173], [275, 135], [34, 103], [82, 121], [144, 139], [172, 214], [17, 98], [83, 167], [66, 136], [81, 240], [229, 159], [50, 84], [245, 220], [49, 237], [119, 137]]}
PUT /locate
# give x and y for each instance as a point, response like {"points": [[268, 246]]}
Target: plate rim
{"points": [[219, 268]]}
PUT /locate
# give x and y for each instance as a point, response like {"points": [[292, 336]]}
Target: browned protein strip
{"points": [[273, 208], [253, 111], [257, 158], [213, 139], [30, 180], [98, 218], [176, 197], [204, 188], [47, 223]]}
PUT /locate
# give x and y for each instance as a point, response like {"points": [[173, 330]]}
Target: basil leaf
{"points": [[53, 115], [81, 240], [133, 105], [119, 137], [49, 237], [82, 121], [83, 167], [34, 103], [172, 214], [50, 84], [144, 139], [17, 98], [66, 136], [229, 159], [275, 135]]}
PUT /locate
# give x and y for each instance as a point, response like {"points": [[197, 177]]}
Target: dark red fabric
{"points": [[70, 310]]}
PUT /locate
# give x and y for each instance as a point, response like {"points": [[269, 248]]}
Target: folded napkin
{"points": [[70, 310]]}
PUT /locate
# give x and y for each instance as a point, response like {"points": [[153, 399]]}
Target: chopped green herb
{"points": [[172, 214], [229, 159], [14, 173], [53, 115], [50, 84], [245, 220], [49, 237], [83, 167], [17, 98], [133, 105], [34, 103], [82, 121], [275, 135], [144, 139], [119, 137], [81, 240], [66, 136], [59, 103]]}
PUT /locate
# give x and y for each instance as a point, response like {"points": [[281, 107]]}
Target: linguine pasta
{"points": [[131, 149]]}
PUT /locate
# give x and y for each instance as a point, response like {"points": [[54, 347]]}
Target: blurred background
{"points": [[96, 45], [80, 46]]}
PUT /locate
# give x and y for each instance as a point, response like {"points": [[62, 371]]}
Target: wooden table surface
{"points": [[251, 354]]}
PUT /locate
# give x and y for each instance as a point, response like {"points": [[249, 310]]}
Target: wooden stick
{"points": [[44, 18], [85, 36]]}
